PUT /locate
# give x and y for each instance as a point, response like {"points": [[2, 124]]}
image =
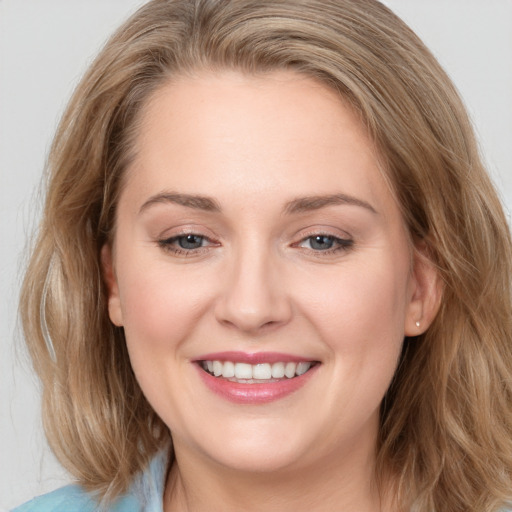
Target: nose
{"points": [[253, 295]]}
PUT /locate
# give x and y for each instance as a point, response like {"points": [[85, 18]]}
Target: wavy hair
{"points": [[446, 421]]}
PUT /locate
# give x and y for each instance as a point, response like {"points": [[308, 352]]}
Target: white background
{"points": [[45, 45]]}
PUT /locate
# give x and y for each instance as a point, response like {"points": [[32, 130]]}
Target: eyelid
{"points": [[343, 242], [174, 238], [167, 243]]}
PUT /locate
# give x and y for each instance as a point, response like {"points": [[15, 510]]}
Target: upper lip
{"points": [[253, 358]]}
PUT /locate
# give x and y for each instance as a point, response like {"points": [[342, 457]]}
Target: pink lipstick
{"points": [[254, 378]]}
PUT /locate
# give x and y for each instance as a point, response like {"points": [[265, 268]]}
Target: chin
{"points": [[257, 459], [256, 447]]}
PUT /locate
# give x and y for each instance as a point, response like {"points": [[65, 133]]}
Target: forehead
{"points": [[230, 133]]}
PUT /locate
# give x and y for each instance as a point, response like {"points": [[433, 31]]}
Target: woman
{"points": [[272, 273]]}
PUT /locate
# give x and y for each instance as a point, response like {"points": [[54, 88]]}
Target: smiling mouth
{"points": [[262, 373]]}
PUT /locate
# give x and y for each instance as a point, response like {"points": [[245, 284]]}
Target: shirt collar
{"points": [[148, 486]]}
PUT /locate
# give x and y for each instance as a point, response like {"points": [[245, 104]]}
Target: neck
{"points": [[342, 484]]}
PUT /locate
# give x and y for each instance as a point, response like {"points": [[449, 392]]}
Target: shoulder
{"points": [[71, 497], [145, 494], [74, 498]]}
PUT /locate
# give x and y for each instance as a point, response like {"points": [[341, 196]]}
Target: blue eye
{"points": [[326, 243], [186, 244], [321, 242], [190, 241]]}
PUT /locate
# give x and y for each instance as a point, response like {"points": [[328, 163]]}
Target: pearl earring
{"points": [[417, 323]]}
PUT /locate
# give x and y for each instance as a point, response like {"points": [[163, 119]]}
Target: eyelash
{"points": [[168, 244], [340, 244]]}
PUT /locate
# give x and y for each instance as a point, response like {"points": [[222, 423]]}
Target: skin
{"points": [[253, 145]]}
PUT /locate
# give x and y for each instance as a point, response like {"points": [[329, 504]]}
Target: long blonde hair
{"points": [[446, 421]]}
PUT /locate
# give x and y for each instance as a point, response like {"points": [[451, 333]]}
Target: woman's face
{"points": [[256, 239]]}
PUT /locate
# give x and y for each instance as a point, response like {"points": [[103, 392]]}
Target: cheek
{"points": [[360, 317], [361, 299], [160, 307]]}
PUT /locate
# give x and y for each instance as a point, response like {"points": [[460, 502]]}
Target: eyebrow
{"points": [[310, 203], [190, 201], [298, 205]]}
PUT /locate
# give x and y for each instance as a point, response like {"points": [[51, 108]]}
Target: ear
{"points": [[426, 290], [110, 279]]}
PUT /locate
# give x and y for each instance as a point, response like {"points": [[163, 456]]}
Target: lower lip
{"points": [[255, 393]]}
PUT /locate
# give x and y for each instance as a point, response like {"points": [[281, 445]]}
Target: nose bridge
{"points": [[253, 296]]}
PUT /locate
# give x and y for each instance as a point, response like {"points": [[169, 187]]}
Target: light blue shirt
{"points": [[145, 494]]}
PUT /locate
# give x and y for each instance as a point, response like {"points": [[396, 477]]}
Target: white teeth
{"points": [[228, 369], [261, 371], [243, 371], [289, 370], [302, 368], [278, 370], [217, 368]]}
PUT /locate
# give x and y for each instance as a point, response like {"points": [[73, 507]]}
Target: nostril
{"points": [[248, 323], [252, 298]]}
